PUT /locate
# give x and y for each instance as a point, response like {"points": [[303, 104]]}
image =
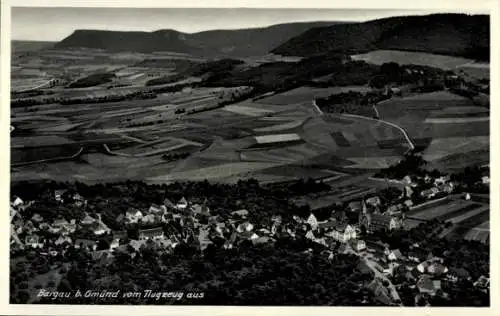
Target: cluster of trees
{"points": [[249, 275], [165, 80], [92, 80], [282, 76], [425, 78], [139, 95], [352, 102], [411, 164]]}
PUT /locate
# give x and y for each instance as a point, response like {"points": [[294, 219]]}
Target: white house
{"points": [[182, 204], [17, 202], [133, 215], [311, 220], [246, 226], [58, 195], [343, 233]]}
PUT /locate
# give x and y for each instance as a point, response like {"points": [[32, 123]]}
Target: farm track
{"points": [[76, 155], [405, 134]]}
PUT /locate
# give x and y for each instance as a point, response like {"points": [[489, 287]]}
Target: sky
{"points": [[56, 23]]}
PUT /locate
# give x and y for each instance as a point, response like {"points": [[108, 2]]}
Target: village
{"points": [[350, 230]]}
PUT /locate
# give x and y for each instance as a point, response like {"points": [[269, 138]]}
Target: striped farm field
{"points": [[307, 94], [212, 173], [443, 147], [451, 120]]}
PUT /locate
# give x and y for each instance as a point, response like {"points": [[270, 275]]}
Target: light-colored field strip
{"points": [[442, 147], [214, 172], [267, 139], [246, 110], [280, 127], [456, 120]]}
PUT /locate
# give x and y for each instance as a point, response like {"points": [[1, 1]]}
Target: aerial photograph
{"points": [[249, 157]]}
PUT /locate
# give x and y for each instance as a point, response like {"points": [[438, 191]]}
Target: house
{"points": [[327, 225], [441, 180], [407, 192], [355, 206], [395, 209], [155, 209], [261, 240], [119, 234], [168, 204], [467, 196], [230, 241], [408, 203], [14, 215], [344, 248], [246, 226], [433, 268], [149, 219], [374, 201], [86, 244], [58, 195], [99, 228], [375, 222], [485, 180], [395, 255], [182, 204], [482, 283], [416, 255], [457, 274], [101, 255], [87, 220], [115, 243], [429, 193], [241, 213], [37, 218], [343, 233], [407, 180], [428, 285], [137, 244], [133, 215], [310, 235], [34, 241], [152, 233], [380, 292], [78, 200], [311, 220], [357, 244], [63, 240], [17, 202], [448, 187]]}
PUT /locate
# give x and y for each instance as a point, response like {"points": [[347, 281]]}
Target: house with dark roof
{"points": [[380, 292], [86, 244], [457, 274], [384, 221], [152, 233], [426, 284], [355, 206]]}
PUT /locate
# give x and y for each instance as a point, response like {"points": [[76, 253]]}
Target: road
{"points": [[368, 260]]}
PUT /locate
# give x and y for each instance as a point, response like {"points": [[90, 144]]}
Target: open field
{"points": [[307, 94], [446, 211], [378, 57]]}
